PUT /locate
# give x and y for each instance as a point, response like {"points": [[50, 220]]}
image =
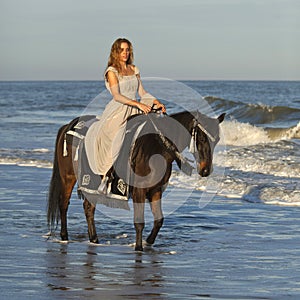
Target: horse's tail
{"points": [[55, 188]]}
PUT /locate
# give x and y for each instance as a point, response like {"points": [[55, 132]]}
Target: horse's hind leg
{"points": [[89, 210], [157, 215], [64, 204]]}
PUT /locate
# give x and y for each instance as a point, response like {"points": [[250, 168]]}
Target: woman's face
{"points": [[124, 54]]}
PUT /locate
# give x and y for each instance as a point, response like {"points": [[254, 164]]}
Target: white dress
{"points": [[105, 137]]}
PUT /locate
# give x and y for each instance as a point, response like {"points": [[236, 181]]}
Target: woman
{"points": [[105, 137]]}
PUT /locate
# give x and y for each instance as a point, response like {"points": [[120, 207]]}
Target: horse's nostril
{"points": [[205, 172], [203, 169]]}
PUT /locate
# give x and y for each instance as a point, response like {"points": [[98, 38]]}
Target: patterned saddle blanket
{"points": [[90, 185]]}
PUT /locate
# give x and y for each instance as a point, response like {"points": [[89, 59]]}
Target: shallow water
{"points": [[228, 250], [233, 236]]}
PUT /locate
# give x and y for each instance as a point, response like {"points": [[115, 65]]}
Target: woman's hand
{"points": [[159, 106], [143, 107]]}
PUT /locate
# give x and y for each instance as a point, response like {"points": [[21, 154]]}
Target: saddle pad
{"points": [[89, 183]]}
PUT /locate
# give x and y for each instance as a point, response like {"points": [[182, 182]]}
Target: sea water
{"points": [[233, 235]]}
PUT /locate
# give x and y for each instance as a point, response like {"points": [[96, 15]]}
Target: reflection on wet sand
{"points": [[110, 271]]}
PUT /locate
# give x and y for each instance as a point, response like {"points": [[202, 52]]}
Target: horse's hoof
{"points": [[94, 241], [138, 248], [149, 241], [64, 237]]}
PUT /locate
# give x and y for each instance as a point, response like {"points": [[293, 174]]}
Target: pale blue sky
{"points": [[176, 39]]}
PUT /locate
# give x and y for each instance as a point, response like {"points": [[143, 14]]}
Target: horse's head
{"points": [[205, 136]]}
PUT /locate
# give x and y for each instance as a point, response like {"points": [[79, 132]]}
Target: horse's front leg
{"points": [[155, 203], [89, 210], [139, 220]]}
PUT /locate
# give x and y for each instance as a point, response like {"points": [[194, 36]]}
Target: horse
{"points": [[202, 129]]}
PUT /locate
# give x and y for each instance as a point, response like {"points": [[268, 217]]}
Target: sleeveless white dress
{"points": [[105, 137]]}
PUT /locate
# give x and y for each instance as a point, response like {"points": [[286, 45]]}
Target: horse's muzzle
{"points": [[203, 169]]}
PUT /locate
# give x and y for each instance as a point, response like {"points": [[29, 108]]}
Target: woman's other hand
{"points": [[143, 107], [159, 106]]}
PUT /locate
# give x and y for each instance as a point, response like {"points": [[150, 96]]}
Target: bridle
{"points": [[197, 124], [202, 128]]}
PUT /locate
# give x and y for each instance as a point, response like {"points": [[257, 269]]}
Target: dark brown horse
{"points": [[205, 132]]}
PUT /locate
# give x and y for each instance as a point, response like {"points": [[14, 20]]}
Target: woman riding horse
{"points": [[104, 138]]}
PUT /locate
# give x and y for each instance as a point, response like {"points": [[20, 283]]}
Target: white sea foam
{"points": [[260, 160], [41, 150], [22, 162], [284, 133], [270, 194], [250, 185], [235, 133], [242, 134], [37, 157], [260, 190], [260, 164]]}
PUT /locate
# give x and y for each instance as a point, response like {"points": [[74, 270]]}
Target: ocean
{"points": [[233, 235]]}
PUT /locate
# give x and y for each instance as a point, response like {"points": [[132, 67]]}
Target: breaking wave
{"points": [[254, 113], [244, 134]]}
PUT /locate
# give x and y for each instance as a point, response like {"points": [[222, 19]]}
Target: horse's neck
{"points": [[185, 119], [184, 135]]}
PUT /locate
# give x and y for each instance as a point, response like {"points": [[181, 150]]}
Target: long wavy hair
{"points": [[114, 57]]}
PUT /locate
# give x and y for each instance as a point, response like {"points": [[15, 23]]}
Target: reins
{"points": [[184, 162]]}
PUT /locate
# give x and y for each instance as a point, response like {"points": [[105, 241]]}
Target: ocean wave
{"points": [[238, 185], [279, 193], [37, 157], [279, 159], [22, 152], [22, 162], [257, 113], [40, 150], [242, 134], [236, 133], [274, 195], [284, 133]]}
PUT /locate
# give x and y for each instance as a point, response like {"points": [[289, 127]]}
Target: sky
{"points": [[175, 39]]}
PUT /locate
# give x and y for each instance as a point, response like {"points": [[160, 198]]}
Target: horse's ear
{"points": [[221, 117]]}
